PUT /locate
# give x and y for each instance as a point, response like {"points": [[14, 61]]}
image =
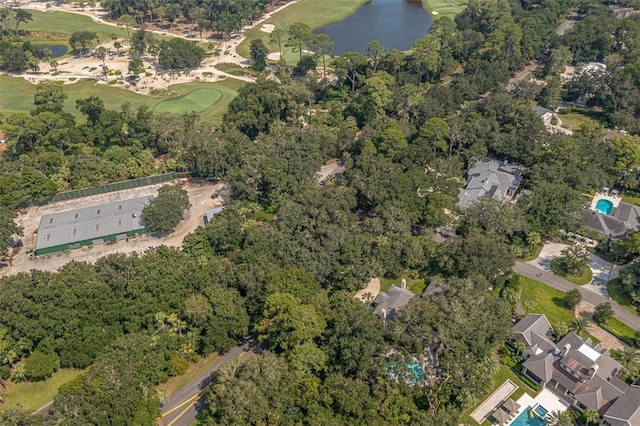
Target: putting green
{"points": [[197, 100]]}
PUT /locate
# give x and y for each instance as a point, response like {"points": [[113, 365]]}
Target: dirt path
{"points": [[199, 196], [607, 340]]}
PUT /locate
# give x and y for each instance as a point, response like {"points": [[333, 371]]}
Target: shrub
{"points": [[40, 366]]}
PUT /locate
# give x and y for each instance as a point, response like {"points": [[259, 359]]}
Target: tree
{"points": [[258, 52], [323, 46], [92, 107], [8, 228], [574, 258], [560, 418], [165, 211], [278, 36], [572, 298], [135, 67], [198, 308], [179, 54], [579, 325], [41, 366], [603, 313], [126, 21], [21, 16], [299, 36], [48, 96], [591, 417], [117, 45], [101, 53], [81, 40]]}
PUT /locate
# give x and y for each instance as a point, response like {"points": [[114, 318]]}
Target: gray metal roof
{"points": [[91, 223]]}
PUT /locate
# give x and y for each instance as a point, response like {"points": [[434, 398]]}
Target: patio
{"points": [[545, 399]]}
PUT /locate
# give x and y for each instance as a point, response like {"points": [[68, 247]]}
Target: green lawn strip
{"points": [[549, 301], [32, 396], [583, 279], [631, 199], [197, 100], [615, 291], [620, 330], [315, 13], [194, 371], [449, 8], [501, 376], [17, 95], [416, 286]]}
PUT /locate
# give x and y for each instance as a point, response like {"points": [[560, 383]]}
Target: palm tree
{"points": [[591, 417], [520, 347], [579, 325], [560, 418], [628, 356]]}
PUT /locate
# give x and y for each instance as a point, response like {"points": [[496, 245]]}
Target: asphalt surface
{"points": [[530, 271], [187, 403]]}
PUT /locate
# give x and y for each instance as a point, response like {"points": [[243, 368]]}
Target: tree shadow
{"points": [[559, 302]]}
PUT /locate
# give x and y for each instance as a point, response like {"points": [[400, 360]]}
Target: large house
{"points": [[624, 218], [387, 304], [578, 371], [490, 178]]}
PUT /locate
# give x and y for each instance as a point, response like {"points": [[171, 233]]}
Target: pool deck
{"points": [[614, 199], [545, 398]]}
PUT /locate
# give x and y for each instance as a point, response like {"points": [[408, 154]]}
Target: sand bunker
{"points": [[267, 28], [435, 12], [274, 56]]}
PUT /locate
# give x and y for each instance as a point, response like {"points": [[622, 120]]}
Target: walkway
{"points": [[588, 295], [493, 401]]}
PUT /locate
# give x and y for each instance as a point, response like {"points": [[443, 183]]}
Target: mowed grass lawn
{"points": [[315, 13], [575, 120], [32, 396], [549, 301], [416, 286], [448, 8], [210, 100], [616, 293], [59, 26], [503, 374]]}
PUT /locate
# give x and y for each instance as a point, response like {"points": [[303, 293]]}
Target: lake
{"points": [[56, 51], [395, 23]]}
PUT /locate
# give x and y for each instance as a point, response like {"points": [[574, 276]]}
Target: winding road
{"points": [[530, 271]]}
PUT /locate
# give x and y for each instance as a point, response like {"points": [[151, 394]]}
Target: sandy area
{"points": [[607, 340], [199, 196], [71, 69], [370, 291], [267, 28]]}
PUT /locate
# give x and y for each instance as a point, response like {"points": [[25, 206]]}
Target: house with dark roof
{"points": [[545, 114], [624, 218], [490, 178], [578, 371], [387, 304]]}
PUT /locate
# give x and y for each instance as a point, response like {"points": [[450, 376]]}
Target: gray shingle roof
{"points": [[91, 223], [391, 301], [533, 323], [626, 408], [625, 217], [495, 179]]}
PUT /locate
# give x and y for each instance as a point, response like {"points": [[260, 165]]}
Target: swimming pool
{"points": [[415, 373], [604, 206], [530, 418]]}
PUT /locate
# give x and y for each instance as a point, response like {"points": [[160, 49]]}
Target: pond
{"points": [[395, 23], [56, 50]]}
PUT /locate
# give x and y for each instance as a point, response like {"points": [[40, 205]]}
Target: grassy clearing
{"points": [[616, 293], [32, 396], [194, 371], [501, 376], [576, 120], [584, 278], [416, 286], [448, 8], [549, 301], [315, 13], [17, 96]]}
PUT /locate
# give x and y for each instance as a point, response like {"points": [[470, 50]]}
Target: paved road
{"points": [[558, 283], [185, 404]]}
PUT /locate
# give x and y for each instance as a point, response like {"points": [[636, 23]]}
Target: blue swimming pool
{"points": [[604, 206], [416, 373], [528, 418]]}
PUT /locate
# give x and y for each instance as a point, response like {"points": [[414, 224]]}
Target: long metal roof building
{"points": [[90, 225]]}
